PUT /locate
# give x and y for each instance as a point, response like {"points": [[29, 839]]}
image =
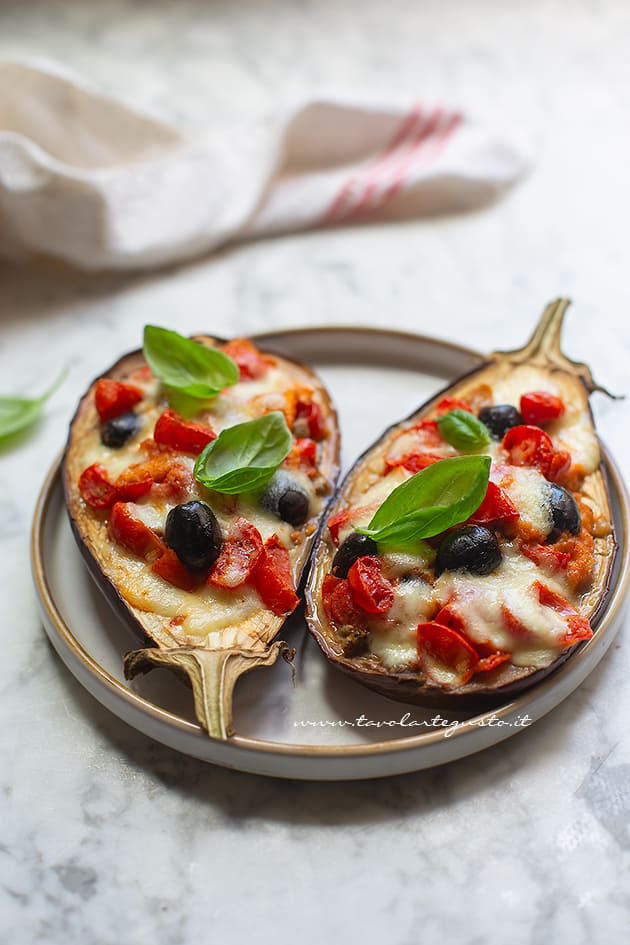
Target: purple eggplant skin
{"points": [[87, 524], [491, 688]]}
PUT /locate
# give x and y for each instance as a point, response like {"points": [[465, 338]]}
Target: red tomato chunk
{"points": [[311, 414], [445, 655], [169, 568], [496, 507], [273, 579], [113, 398], [242, 550], [131, 533], [172, 430], [538, 407], [338, 604], [369, 589], [95, 487], [252, 364]]}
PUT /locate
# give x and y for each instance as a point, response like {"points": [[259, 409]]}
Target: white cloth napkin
{"points": [[95, 182]]}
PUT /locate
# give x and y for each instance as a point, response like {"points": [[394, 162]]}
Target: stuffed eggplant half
{"points": [[195, 474], [469, 550]]}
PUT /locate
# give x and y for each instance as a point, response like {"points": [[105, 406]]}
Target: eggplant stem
{"points": [[212, 675], [544, 348], [544, 345]]}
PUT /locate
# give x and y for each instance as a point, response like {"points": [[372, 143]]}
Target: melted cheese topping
{"points": [[209, 611], [535, 635], [529, 491]]}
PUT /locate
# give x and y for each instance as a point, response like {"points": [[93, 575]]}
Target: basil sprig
{"points": [[244, 457], [463, 430], [187, 366], [436, 498], [18, 413]]}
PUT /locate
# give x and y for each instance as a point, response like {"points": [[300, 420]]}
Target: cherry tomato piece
{"points": [[170, 569], [578, 627], [95, 487], [303, 455], [546, 556], [496, 507], [127, 530], [338, 604], [428, 432], [241, 551], [414, 462], [489, 656], [172, 430], [445, 655], [529, 446], [559, 466], [252, 364], [452, 403], [369, 589], [113, 398], [538, 407], [273, 579], [311, 415]]}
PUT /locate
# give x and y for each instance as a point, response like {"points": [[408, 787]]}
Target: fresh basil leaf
{"points": [[186, 366], [244, 457], [436, 498], [18, 413], [463, 430]]}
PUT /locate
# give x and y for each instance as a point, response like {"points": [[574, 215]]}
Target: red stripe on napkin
{"points": [[370, 174], [426, 148]]}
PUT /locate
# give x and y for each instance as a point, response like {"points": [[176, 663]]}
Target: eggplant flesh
{"points": [[539, 365], [210, 663]]}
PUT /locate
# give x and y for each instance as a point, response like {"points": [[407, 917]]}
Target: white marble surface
{"points": [[108, 838]]}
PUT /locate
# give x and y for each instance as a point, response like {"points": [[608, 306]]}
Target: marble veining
{"points": [[109, 839]]}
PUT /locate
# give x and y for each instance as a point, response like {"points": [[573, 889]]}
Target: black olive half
{"points": [[285, 498], [499, 419], [471, 548], [116, 432], [565, 512], [355, 546], [194, 534]]}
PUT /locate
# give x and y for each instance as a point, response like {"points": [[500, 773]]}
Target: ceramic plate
{"points": [[322, 725]]}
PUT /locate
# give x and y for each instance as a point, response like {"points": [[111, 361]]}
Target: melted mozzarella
{"points": [[480, 602], [529, 491], [575, 433], [535, 636], [394, 641], [208, 610]]}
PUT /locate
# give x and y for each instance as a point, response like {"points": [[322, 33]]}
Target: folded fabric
{"points": [[99, 184]]}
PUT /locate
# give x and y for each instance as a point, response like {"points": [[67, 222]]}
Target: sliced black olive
{"points": [[355, 546], [565, 512], [499, 419], [294, 506], [194, 534], [285, 498], [471, 548], [116, 432]]}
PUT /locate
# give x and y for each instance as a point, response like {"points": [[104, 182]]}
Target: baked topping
{"points": [[458, 579], [208, 501]]}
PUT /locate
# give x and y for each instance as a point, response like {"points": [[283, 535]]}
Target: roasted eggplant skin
{"points": [[413, 686], [90, 532]]}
